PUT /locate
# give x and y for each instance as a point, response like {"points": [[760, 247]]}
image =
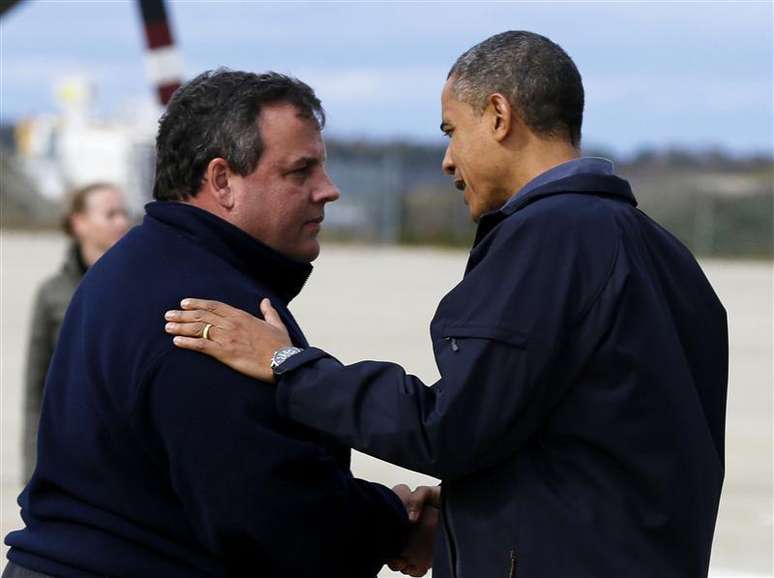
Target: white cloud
{"points": [[375, 85], [673, 93], [34, 70]]}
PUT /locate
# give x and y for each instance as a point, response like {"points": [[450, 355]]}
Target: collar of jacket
{"points": [[280, 274], [584, 184], [73, 265]]}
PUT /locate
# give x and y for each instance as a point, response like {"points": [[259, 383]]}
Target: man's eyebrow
{"points": [[445, 127], [304, 161]]}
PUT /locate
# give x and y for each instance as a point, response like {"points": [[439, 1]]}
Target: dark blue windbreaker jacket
{"points": [[578, 422], [155, 462]]}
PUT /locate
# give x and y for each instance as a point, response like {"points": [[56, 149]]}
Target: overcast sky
{"points": [[655, 73]]}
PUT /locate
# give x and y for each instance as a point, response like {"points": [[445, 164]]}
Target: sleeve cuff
{"points": [[397, 540], [307, 356]]}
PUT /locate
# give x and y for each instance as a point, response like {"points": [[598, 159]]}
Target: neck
{"points": [[247, 254], [540, 156], [90, 254], [206, 202]]}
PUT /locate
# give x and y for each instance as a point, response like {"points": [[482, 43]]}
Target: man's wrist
{"points": [[282, 355], [308, 355]]}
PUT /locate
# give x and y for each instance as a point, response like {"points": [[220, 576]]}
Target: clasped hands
{"points": [[423, 507], [246, 344]]}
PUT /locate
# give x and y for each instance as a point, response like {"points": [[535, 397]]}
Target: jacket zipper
{"points": [[512, 573], [453, 343], [450, 542]]}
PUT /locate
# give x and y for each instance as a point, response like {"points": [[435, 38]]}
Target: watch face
{"points": [[283, 354]]}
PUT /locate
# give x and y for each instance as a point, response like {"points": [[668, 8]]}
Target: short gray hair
{"points": [[537, 77]]}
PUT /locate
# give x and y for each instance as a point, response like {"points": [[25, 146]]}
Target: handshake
{"points": [[423, 508]]}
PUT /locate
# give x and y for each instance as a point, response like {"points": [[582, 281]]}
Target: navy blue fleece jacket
{"points": [[154, 461]]}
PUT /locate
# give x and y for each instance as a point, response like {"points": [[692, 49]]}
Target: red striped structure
{"points": [[6, 5], [164, 65]]}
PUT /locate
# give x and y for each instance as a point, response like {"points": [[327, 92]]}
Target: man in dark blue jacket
{"points": [[578, 422], [159, 462]]}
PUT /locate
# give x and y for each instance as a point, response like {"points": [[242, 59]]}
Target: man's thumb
{"points": [[270, 314]]}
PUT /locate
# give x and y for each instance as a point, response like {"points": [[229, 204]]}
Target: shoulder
{"points": [[558, 249], [191, 388], [56, 288], [584, 214], [560, 227], [191, 373]]}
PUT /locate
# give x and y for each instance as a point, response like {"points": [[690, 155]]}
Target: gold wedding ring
{"points": [[206, 332]]}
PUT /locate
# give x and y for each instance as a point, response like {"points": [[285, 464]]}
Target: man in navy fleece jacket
{"points": [[160, 462]]}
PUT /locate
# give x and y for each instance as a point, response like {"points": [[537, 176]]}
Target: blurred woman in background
{"points": [[95, 217]]}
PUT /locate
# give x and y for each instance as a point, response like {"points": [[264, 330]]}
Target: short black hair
{"points": [[539, 79], [215, 115]]}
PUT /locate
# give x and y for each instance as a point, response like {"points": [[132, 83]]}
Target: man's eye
{"points": [[302, 171]]}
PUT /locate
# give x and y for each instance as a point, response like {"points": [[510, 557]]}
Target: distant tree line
{"points": [[718, 204]]}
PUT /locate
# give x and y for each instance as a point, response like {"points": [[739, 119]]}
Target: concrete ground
{"points": [[376, 303]]}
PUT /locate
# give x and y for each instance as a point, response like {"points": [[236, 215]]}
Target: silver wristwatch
{"points": [[282, 355]]}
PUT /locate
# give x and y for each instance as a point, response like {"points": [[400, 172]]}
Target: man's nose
{"points": [[447, 165]]}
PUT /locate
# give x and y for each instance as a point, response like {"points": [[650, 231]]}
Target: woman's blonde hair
{"points": [[75, 202]]}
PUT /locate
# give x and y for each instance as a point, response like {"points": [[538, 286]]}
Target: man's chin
{"points": [[308, 253], [312, 255]]}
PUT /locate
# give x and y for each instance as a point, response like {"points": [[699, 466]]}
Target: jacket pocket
{"points": [[452, 332]]}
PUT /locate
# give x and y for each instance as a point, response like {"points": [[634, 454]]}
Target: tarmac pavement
{"points": [[376, 303]]}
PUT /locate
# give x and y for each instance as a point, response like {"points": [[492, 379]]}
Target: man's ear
{"points": [[218, 182], [500, 116]]}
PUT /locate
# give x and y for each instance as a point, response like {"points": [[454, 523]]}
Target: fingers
{"points": [[427, 495], [270, 315], [405, 567], [418, 553], [194, 329], [397, 564], [235, 337], [219, 314], [216, 307], [197, 315], [403, 492], [198, 344], [416, 501]]}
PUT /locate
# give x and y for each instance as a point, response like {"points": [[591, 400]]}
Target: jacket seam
{"points": [[598, 293]]}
